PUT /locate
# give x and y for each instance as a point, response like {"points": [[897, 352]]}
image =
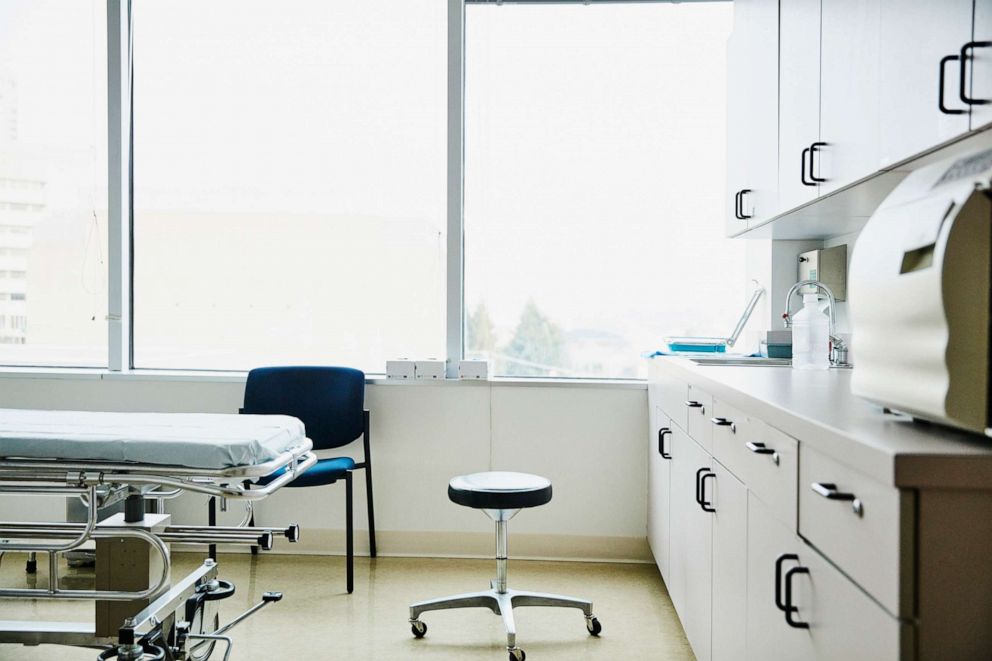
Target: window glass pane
{"points": [[53, 183], [289, 182], [595, 146]]}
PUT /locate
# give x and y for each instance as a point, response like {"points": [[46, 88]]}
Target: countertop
{"points": [[818, 409]]}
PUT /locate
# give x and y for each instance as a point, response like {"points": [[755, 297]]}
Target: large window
{"points": [[289, 182], [53, 190], [594, 168]]}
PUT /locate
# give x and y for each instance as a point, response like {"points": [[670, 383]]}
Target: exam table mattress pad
{"points": [[208, 441]]}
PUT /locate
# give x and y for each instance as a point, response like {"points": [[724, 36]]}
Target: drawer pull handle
{"points": [[693, 404], [705, 504], [829, 490], [789, 608], [662, 433], [760, 448], [779, 604], [723, 422], [699, 498]]}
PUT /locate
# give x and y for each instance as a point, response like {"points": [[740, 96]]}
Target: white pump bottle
{"points": [[810, 336]]}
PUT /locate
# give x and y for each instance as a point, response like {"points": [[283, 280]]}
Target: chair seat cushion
{"points": [[500, 490], [325, 471]]}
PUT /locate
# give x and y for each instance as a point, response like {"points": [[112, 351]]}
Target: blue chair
{"points": [[330, 402]]}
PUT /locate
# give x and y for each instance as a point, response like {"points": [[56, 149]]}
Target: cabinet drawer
{"points": [[771, 471], [732, 430], [699, 409], [864, 527]]}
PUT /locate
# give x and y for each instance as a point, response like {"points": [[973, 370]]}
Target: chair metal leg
{"points": [[349, 533], [368, 484], [506, 612]]}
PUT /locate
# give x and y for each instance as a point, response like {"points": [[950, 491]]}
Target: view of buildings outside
{"points": [[595, 158], [53, 197]]}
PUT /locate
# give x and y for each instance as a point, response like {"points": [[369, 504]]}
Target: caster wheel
{"points": [[518, 655], [418, 628], [594, 627], [31, 567]]}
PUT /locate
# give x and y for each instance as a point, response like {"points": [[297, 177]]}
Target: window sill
{"points": [[199, 376]]}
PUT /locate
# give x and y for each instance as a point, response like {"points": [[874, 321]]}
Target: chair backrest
{"points": [[329, 400]]}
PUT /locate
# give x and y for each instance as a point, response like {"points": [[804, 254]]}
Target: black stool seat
{"points": [[499, 490]]}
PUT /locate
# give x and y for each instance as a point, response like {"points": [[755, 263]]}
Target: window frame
{"points": [[120, 117]]}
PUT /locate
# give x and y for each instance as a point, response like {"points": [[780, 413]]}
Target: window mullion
{"points": [[455, 288]]}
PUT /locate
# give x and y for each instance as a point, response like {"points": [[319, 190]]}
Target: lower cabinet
{"points": [[800, 607], [729, 566], [659, 489]]}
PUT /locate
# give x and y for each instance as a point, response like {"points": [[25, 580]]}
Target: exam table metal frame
{"points": [[156, 631]]}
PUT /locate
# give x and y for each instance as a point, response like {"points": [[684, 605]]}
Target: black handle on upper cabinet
{"points": [[812, 161], [802, 170], [779, 604], [965, 56], [662, 433], [737, 205], [940, 93], [744, 192], [789, 608], [829, 490], [705, 504]]}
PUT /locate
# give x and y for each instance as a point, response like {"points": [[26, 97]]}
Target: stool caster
{"points": [[517, 654], [593, 626], [418, 628]]}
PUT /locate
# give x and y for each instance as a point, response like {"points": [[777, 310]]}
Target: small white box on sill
{"points": [[401, 369], [431, 369], [473, 370]]}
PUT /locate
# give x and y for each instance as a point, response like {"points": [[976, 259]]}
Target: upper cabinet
{"points": [[918, 79], [752, 115], [861, 87], [799, 101], [981, 66]]}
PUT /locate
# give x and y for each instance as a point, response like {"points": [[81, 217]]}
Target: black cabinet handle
{"points": [[802, 170], [940, 93], [721, 422], [779, 604], [812, 161], [699, 497], [662, 433], [705, 504], [693, 404], [965, 56], [789, 608], [737, 205], [829, 490], [758, 448], [744, 192]]}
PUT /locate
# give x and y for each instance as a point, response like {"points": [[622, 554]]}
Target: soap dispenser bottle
{"points": [[810, 336]]}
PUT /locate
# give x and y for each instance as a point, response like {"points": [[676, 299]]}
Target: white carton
{"points": [[473, 370], [401, 369], [430, 369]]}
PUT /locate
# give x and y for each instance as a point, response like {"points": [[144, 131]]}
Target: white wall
{"points": [[587, 438]]}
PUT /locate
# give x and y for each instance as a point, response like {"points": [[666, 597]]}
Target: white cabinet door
{"points": [[698, 552], [729, 566], [916, 35], [799, 99], [659, 490], [981, 71], [681, 500], [768, 635], [752, 114], [849, 94]]}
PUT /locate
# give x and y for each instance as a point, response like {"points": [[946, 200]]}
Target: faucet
{"points": [[838, 348]]}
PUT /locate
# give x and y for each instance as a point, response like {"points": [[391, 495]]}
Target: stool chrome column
{"points": [[501, 495]]}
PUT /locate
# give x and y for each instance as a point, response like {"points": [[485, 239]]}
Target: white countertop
{"points": [[817, 408]]}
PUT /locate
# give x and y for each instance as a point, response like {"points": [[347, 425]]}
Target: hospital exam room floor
{"points": [[318, 620]]}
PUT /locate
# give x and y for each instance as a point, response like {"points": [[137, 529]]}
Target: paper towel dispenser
{"points": [[919, 292]]}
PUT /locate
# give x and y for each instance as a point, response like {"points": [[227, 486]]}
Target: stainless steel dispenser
{"points": [[919, 291]]}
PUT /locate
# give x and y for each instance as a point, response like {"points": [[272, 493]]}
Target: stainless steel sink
{"points": [[742, 360]]}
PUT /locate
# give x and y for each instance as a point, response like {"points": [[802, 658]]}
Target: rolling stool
{"points": [[501, 495]]}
